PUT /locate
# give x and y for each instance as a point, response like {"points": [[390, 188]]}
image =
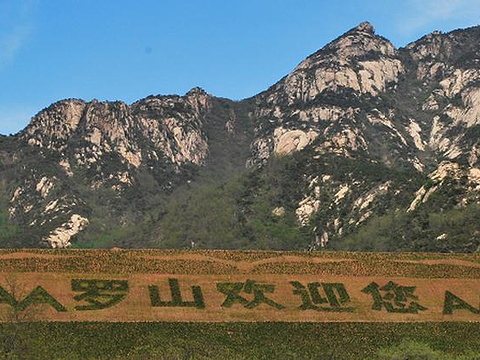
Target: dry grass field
{"points": [[225, 286]]}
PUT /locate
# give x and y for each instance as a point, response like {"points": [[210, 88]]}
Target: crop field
{"points": [[331, 305], [220, 286]]}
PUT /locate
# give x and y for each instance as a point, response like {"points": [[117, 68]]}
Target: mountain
{"points": [[361, 146]]}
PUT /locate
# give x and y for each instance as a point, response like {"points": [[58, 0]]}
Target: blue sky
{"points": [[129, 49]]}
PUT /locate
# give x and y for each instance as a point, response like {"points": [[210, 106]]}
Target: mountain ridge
{"points": [[357, 130]]}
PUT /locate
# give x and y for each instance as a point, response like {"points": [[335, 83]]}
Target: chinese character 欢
{"points": [[233, 290]]}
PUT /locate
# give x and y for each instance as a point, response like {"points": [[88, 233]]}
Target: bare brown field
{"points": [[224, 286]]}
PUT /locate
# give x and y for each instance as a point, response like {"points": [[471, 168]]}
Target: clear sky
{"points": [[129, 49]]}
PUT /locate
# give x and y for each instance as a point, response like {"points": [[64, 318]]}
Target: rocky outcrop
{"points": [[109, 143], [359, 60], [446, 173], [170, 126], [60, 237], [320, 102]]}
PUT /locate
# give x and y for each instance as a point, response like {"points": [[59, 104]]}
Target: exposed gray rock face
{"points": [[450, 67], [110, 143], [171, 125], [361, 98], [321, 99]]}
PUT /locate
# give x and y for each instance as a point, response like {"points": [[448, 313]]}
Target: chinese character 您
{"points": [[394, 298]]}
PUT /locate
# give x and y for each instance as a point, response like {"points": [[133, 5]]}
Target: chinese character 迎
{"points": [[336, 296]]}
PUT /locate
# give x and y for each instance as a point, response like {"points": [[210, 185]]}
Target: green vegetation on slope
{"points": [[454, 230], [341, 341], [236, 214], [12, 235]]}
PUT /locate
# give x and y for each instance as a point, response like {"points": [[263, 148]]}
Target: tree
{"points": [[17, 340]]}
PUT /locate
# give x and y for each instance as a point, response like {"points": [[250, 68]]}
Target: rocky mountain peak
{"points": [[364, 27], [359, 61], [461, 44], [198, 98], [359, 42], [60, 119], [196, 91]]}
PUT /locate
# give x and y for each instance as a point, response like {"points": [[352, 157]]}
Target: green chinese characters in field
{"points": [[453, 302], [394, 298], [38, 296], [232, 291], [176, 296], [335, 299]]}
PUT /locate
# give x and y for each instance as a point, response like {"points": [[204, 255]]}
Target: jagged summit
{"points": [[358, 43], [196, 91], [364, 27], [459, 48], [359, 60]]}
